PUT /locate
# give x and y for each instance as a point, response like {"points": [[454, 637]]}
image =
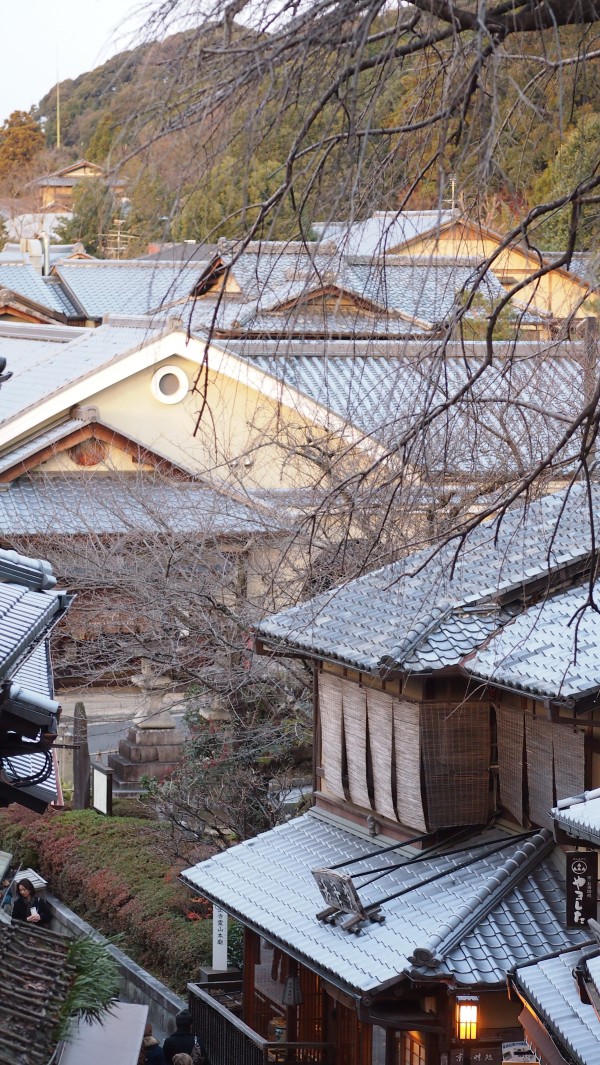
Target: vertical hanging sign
{"points": [[582, 887], [219, 943]]}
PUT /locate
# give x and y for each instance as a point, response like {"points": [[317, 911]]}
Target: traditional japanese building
{"points": [[451, 710]]}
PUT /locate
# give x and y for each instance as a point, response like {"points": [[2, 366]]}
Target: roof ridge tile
{"points": [[482, 901]]}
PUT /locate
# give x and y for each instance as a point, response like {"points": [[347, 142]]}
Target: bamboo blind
{"points": [[540, 776], [511, 732], [569, 761], [354, 704], [332, 738], [380, 710], [455, 746], [407, 740]]}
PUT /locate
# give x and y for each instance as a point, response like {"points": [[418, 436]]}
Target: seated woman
{"points": [[28, 906]]}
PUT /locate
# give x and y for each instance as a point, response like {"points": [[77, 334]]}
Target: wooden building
{"points": [[449, 716]]}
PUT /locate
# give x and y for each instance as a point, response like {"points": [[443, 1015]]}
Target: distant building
{"points": [[57, 189]]}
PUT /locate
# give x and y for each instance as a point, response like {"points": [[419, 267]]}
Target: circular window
{"points": [[170, 384]]}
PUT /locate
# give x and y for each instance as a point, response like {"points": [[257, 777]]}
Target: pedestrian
{"points": [[183, 1059], [30, 907], [151, 1051], [182, 1040]]}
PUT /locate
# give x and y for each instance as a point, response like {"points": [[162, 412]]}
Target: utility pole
{"points": [[57, 111]]}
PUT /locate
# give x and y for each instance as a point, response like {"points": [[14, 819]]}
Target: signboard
{"points": [[477, 1056], [582, 887], [519, 1053], [219, 943], [338, 891], [102, 789]]}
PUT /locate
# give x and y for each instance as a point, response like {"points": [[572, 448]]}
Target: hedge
{"points": [[114, 873]]}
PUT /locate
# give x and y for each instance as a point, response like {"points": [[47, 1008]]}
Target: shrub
{"points": [[113, 873]]}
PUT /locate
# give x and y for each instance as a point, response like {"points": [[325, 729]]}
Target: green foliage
{"points": [[577, 159], [94, 208], [95, 985], [21, 139], [115, 873]]}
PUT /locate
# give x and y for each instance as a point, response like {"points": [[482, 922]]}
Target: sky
{"points": [[69, 35]]}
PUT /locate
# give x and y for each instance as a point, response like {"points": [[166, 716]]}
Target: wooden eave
{"points": [[209, 280], [96, 431], [28, 310], [313, 297]]}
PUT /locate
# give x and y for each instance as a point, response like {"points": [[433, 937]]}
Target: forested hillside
{"points": [[198, 175]]}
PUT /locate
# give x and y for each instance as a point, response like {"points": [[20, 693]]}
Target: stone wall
{"points": [[137, 985]]}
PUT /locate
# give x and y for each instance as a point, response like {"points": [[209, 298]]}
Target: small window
{"points": [[170, 384]]}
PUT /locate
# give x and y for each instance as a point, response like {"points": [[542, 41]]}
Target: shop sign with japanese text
{"points": [[582, 887]]}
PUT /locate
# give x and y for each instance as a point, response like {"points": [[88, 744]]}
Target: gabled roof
{"points": [[426, 292], [381, 621], [552, 649], [44, 368], [550, 988], [102, 287], [24, 280], [39, 447], [485, 912]]}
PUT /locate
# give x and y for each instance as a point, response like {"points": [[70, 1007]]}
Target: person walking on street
{"points": [[151, 1052]]}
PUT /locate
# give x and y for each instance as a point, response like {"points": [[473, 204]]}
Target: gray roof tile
{"points": [[31, 447], [383, 619], [549, 986], [24, 280], [383, 387], [382, 231], [267, 882], [103, 287], [42, 368], [544, 650], [103, 503], [579, 815]]}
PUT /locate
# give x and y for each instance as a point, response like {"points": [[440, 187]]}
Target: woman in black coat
{"points": [[30, 907]]}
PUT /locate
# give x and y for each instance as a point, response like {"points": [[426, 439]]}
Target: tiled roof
{"points": [[549, 986], [24, 280], [24, 617], [423, 290], [473, 923], [45, 368], [37, 443], [136, 502], [35, 984], [385, 229], [579, 815], [28, 609], [507, 420], [551, 649], [35, 675], [103, 287], [385, 618]]}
